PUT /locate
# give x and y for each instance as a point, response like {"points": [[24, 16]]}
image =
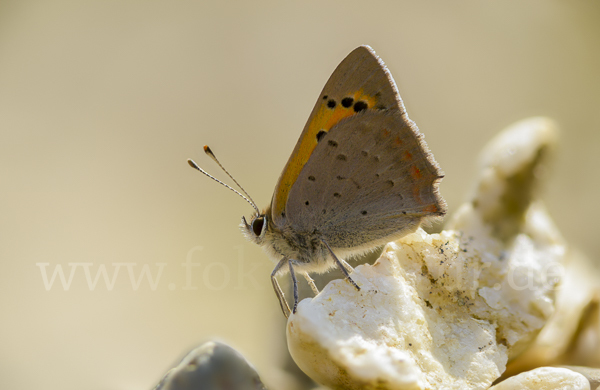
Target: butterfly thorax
{"points": [[306, 249]]}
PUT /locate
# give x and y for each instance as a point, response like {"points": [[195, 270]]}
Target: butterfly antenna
{"points": [[210, 154], [195, 166]]}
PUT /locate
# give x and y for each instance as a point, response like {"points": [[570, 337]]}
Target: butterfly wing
{"points": [[370, 179], [360, 82], [361, 173]]}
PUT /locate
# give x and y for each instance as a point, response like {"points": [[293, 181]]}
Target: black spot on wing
{"points": [[320, 135], [360, 106]]}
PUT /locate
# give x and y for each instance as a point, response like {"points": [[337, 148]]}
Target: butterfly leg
{"points": [[341, 266], [311, 283], [282, 302], [293, 275], [347, 266]]}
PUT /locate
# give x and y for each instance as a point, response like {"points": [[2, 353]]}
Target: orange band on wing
{"points": [[325, 118]]}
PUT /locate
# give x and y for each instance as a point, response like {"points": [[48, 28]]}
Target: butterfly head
{"points": [[256, 230]]}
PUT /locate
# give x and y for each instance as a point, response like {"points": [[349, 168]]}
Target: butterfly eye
{"points": [[257, 225]]}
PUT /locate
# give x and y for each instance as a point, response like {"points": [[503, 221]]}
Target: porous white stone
{"points": [[422, 318], [545, 378]]}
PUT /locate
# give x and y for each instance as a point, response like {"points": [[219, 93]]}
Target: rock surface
{"points": [[545, 378]]}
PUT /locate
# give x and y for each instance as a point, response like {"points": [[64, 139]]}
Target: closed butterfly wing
{"points": [[370, 177], [359, 83]]}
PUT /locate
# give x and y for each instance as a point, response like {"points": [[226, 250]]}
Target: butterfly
{"points": [[360, 176]]}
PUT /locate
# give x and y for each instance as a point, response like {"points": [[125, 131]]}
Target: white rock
{"points": [[545, 378], [420, 320]]}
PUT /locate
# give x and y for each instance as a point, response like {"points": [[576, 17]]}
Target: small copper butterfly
{"points": [[360, 176]]}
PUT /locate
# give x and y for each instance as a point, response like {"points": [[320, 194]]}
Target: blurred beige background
{"points": [[101, 102]]}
